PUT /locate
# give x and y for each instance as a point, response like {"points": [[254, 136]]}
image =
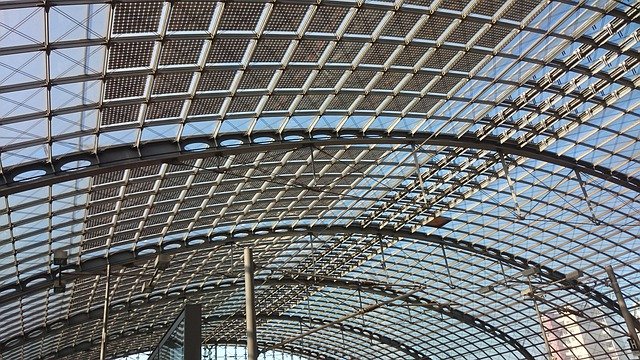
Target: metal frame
{"points": [[83, 347], [331, 137], [45, 281]]}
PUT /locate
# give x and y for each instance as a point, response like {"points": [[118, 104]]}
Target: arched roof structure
{"points": [[458, 152]]}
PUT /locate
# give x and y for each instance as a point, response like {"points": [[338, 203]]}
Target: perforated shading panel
{"points": [[469, 159]]}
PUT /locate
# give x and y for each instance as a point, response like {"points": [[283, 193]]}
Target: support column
{"points": [[628, 318], [105, 314], [252, 344], [192, 332]]}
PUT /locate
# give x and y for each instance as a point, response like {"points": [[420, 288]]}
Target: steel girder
{"points": [[157, 152], [43, 282], [364, 286]]}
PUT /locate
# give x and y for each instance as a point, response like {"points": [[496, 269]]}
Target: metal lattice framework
{"points": [[364, 149]]}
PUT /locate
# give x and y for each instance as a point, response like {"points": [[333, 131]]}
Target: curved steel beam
{"points": [[43, 173], [44, 282], [382, 290], [358, 331]]}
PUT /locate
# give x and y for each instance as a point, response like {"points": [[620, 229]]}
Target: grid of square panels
{"points": [[144, 71], [421, 58], [106, 187]]}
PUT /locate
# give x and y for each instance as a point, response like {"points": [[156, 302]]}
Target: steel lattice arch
{"points": [[449, 166]]}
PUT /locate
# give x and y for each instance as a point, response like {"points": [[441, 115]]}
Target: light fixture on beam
{"points": [[528, 292], [60, 257], [58, 286], [530, 271], [573, 275], [438, 222], [162, 262], [485, 289]]}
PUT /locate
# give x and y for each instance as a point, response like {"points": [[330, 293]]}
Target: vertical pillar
{"points": [[105, 314], [252, 344], [192, 332], [628, 318]]}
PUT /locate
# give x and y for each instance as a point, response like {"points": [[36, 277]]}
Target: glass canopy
{"points": [[474, 159]]}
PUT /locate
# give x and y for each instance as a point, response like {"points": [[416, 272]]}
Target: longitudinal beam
{"points": [[85, 346], [344, 318], [44, 281]]}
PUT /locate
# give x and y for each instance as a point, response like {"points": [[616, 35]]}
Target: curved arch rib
{"points": [[358, 331], [364, 286], [124, 157], [45, 281]]}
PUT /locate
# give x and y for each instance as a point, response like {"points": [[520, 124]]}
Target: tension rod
{"points": [[446, 263], [543, 331], [306, 287], [383, 261], [629, 319], [313, 166], [593, 219], [511, 186], [419, 173], [365, 310], [105, 314], [364, 325]]}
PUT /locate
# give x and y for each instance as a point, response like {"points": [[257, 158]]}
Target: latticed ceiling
{"points": [[463, 151]]}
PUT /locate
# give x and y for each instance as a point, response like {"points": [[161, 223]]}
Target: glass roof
{"points": [[363, 149]]}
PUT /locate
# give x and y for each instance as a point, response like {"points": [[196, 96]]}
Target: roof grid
{"points": [[360, 149]]}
